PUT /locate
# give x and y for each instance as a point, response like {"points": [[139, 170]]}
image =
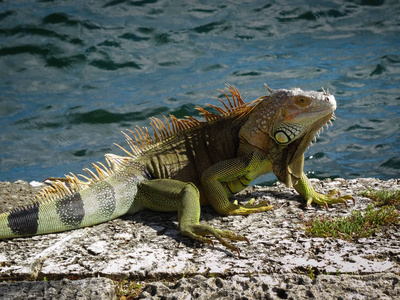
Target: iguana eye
{"points": [[302, 101]]}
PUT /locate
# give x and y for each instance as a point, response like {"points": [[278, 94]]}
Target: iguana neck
{"points": [[255, 131]]}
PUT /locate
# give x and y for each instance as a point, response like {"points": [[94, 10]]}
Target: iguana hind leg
{"points": [[174, 195]]}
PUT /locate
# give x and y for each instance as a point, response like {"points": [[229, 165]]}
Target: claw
{"points": [[212, 243], [238, 251], [247, 240], [326, 206], [309, 201], [348, 197]]}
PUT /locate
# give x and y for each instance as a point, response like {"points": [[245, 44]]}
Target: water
{"points": [[76, 73]]}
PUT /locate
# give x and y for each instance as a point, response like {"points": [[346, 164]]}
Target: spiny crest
{"points": [[236, 105], [62, 187], [142, 141]]}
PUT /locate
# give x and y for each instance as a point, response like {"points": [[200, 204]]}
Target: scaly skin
{"points": [[189, 163], [305, 188]]}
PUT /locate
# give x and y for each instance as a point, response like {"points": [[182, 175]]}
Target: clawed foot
{"points": [[199, 232], [227, 234], [333, 197]]}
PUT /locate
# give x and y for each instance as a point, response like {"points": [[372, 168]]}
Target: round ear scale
{"points": [[281, 137], [269, 90]]}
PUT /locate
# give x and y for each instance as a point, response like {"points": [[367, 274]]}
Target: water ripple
{"points": [[76, 73], [64, 19]]}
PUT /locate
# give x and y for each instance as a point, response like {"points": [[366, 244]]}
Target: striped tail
{"points": [[100, 202], [70, 203]]}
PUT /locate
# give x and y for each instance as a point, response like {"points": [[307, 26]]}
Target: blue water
{"points": [[76, 73]]}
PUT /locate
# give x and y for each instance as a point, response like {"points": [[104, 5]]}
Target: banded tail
{"points": [[71, 203]]}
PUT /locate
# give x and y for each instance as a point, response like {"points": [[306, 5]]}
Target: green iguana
{"points": [[188, 163]]}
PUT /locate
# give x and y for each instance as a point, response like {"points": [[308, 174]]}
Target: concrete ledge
{"points": [[91, 288], [148, 247], [279, 286]]}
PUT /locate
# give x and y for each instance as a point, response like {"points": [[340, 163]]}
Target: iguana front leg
{"points": [[305, 188], [174, 195], [231, 176]]}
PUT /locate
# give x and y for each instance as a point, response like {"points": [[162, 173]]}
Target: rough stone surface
{"points": [[148, 247], [88, 289], [278, 286]]}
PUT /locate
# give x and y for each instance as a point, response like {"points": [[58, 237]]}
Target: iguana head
{"points": [[301, 113], [283, 125]]}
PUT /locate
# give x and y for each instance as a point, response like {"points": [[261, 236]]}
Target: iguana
{"points": [[188, 163]]}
